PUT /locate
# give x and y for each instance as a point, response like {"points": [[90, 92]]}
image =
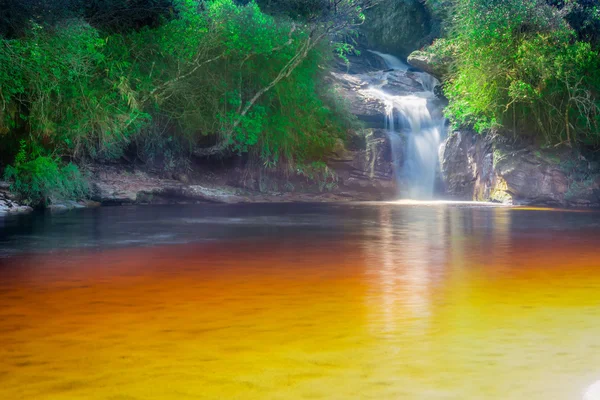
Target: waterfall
{"points": [[414, 134], [390, 61]]}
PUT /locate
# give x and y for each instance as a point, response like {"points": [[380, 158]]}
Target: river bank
{"points": [[365, 166]]}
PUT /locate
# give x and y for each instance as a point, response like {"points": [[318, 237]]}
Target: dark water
{"points": [[295, 301], [159, 225]]}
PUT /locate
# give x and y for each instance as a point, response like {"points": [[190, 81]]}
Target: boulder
{"points": [[467, 168], [398, 26], [8, 202], [429, 62], [530, 180]]}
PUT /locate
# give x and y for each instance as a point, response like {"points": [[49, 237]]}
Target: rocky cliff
{"points": [[495, 168]]}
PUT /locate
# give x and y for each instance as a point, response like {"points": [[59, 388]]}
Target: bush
{"points": [[522, 66], [64, 90], [40, 180], [92, 92]]}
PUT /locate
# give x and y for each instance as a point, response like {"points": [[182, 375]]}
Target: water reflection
{"points": [[412, 254], [399, 264]]}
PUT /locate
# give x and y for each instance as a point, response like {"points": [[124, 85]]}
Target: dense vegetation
{"points": [[532, 67], [160, 81], [151, 80]]}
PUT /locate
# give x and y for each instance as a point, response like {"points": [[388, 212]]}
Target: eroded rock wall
{"points": [[494, 168]]}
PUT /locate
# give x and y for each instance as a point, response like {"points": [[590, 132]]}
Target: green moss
{"points": [[397, 27], [548, 157]]}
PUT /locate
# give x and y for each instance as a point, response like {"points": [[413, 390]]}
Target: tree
{"points": [[211, 72], [522, 66], [322, 20]]}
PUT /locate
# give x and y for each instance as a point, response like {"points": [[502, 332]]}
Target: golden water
{"points": [[439, 309]]}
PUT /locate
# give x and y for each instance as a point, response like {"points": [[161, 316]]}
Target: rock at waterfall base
{"points": [[492, 168]]}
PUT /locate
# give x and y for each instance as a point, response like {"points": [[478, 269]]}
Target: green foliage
{"points": [[60, 85], [40, 179], [232, 52], [87, 89], [107, 15], [298, 9], [160, 150], [521, 65]]}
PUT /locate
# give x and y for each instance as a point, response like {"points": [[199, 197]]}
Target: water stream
{"points": [[415, 126]]}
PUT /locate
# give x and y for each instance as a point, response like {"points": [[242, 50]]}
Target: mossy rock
{"points": [[398, 26], [429, 62]]}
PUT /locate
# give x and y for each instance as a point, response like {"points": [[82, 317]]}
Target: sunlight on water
{"points": [[593, 392], [446, 202], [471, 204]]}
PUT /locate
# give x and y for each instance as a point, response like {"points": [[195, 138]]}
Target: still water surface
{"points": [[371, 301]]}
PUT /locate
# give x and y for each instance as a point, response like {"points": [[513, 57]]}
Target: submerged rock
{"points": [[65, 206]]}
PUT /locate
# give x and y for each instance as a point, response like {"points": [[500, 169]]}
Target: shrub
{"points": [[522, 66], [39, 180]]}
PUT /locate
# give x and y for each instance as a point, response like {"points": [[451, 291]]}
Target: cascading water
{"points": [[391, 62], [414, 133]]}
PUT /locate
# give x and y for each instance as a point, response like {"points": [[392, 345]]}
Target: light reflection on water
{"points": [[377, 301]]}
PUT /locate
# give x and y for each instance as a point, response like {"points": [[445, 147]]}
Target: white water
{"points": [[391, 61], [414, 134]]}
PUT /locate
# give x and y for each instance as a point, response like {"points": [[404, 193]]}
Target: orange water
{"points": [[423, 313]]}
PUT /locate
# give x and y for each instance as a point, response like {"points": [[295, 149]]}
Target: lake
{"points": [[300, 301]]}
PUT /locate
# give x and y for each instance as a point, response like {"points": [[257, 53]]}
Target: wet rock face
{"points": [[458, 163], [356, 87], [467, 168], [528, 179], [366, 173], [475, 167]]}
